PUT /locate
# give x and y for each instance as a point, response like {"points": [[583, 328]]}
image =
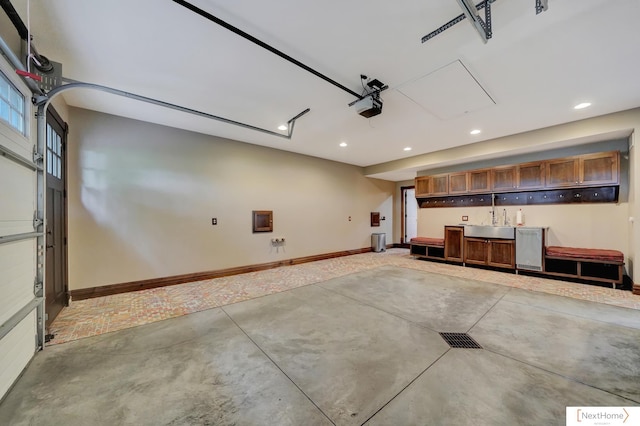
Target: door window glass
{"points": [[54, 153]]}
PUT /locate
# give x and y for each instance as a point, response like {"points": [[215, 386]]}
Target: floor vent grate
{"points": [[460, 340]]}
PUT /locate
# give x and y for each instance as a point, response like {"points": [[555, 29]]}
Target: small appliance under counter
{"points": [[530, 248]]}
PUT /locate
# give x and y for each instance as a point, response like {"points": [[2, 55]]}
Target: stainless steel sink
{"points": [[486, 231]]}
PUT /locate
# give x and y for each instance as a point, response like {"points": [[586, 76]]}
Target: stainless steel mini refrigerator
{"points": [[529, 248]]}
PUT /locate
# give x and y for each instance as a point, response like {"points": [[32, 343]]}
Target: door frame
{"points": [[403, 214], [55, 120]]}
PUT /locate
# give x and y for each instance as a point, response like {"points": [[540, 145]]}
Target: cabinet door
{"points": [[503, 178], [458, 183], [562, 172], [501, 253], [453, 249], [480, 180], [530, 175], [475, 251], [440, 184], [423, 186], [598, 169]]}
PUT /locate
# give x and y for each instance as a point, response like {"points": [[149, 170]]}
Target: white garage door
{"points": [[20, 304]]}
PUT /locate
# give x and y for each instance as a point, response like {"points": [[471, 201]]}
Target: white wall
{"points": [[61, 107], [141, 198]]}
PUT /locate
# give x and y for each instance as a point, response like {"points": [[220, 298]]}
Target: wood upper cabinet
{"points": [[440, 184], [530, 175], [423, 186], [429, 186], [479, 180], [585, 170], [599, 169], [458, 183], [562, 172], [471, 181], [503, 178]]}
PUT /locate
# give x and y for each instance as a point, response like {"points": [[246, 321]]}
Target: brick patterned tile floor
{"points": [[100, 315]]}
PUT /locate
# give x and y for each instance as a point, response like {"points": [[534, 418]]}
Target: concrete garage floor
{"points": [[360, 349]]}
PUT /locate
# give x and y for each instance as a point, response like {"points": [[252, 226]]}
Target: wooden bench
{"points": [[585, 264], [427, 248]]}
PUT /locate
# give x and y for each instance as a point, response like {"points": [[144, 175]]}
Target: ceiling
{"points": [[528, 76]]}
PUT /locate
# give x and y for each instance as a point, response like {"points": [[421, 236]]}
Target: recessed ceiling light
{"points": [[283, 127], [343, 144], [582, 105], [408, 148], [475, 132]]}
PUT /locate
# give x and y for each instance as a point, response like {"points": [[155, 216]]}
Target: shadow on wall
{"points": [[145, 208]]}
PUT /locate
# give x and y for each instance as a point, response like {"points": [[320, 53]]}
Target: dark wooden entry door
{"points": [[56, 237]]}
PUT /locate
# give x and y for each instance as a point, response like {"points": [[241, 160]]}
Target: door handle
{"points": [[51, 246]]}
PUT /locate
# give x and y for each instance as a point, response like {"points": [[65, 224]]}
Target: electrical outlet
{"points": [[214, 221]]}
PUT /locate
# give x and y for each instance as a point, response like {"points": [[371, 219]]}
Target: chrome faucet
{"points": [[494, 220]]}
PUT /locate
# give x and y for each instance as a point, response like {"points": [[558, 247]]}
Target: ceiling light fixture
{"points": [[582, 105], [408, 148], [283, 127], [475, 132], [343, 144]]}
